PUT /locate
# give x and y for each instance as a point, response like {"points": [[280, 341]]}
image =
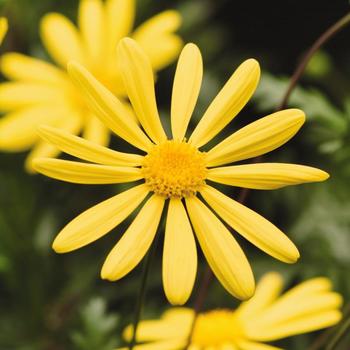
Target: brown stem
{"points": [[243, 194]]}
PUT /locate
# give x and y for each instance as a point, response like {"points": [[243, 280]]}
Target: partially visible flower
{"points": [[40, 92], [3, 28], [267, 316], [176, 169]]}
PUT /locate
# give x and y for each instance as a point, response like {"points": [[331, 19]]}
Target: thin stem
{"points": [[326, 36], [335, 341], [142, 291]]}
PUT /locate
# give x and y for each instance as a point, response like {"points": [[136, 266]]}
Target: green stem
{"points": [[142, 291], [326, 36]]}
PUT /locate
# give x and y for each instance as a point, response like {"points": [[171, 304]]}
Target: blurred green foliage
{"points": [[53, 302]]}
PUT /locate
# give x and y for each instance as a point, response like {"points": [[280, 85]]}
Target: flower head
{"points": [[177, 170], [3, 28], [267, 316], [41, 93]]}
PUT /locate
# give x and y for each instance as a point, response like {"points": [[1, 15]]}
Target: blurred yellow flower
{"points": [[267, 316], [177, 170], [3, 28], [40, 92]]}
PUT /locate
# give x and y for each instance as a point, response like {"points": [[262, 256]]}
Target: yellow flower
{"points": [[3, 28], [267, 316], [177, 170], [40, 92]]}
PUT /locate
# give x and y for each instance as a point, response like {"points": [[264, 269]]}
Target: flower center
{"points": [[216, 328], [174, 169]]}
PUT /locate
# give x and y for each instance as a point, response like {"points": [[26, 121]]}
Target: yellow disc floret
{"points": [[216, 328], [174, 169]]}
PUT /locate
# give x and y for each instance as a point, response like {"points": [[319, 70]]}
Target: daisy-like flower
{"points": [[3, 28], [40, 92], [267, 316], [177, 170]]}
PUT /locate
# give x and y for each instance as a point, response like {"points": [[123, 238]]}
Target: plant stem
{"points": [[142, 291], [326, 36]]}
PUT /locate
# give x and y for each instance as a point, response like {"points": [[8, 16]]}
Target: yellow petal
{"points": [[221, 250], [156, 37], [92, 25], [95, 222], [108, 108], [259, 137], [135, 242], [95, 131], [311, 323], [179, 255], [187, 83], [267, 291], [249, 345], [18, 129], [120, 19], [61, 39], [139, 83], [252, 226], [286, 310], [228, 103], [86, 150], [266, 176], [82, 173], [309, 287], [3, 28], [21, 67], [47, 150], [15, 95]]}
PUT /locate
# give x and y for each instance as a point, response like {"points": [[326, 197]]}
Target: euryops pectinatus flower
{"points": [[40, 92], [3, 28], [175, 169], [267, 316]]}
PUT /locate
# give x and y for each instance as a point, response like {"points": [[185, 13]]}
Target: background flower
{"points": [[39, 92]]}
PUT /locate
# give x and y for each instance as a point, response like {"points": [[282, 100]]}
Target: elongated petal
{"points": [[86, 150], [311, 323], [135, 242], [3, 28], [187, 83], [267, 291], [61, 39], [139, 83], [259, 137], [97, 132], [228, 103], [252, 226], [48, 150], [266, 176], [249, 345], [21, 67], [223, 253], [108, 108], [92, 25], [15, 95], [120, 19], [95, 222], [283, 312], [157, 38], [179, 255], [82, 173], [18, 129]]}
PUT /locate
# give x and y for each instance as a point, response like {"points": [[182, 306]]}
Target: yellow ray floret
{"points": [[267, 316], [3, 28], [92, 42], [177, 170]]}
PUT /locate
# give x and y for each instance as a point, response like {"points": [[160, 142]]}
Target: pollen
{"points": [[216, 328], [174, 169]]}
